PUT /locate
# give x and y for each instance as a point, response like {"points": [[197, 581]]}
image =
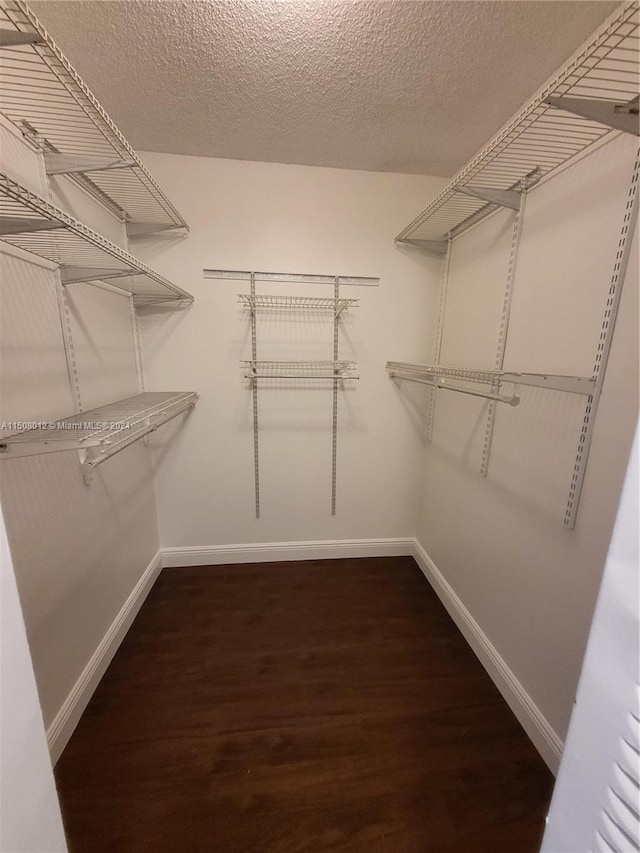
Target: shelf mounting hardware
{"points": [[26, 224], [69, 164], [622, 116], [76, 275], [13, 38], [501, 198], [438, 246]]}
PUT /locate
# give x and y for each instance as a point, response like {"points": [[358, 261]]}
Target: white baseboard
{"points": [[67, 718], [544, 738], [270, 552]]}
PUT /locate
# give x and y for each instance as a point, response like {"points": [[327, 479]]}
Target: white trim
{"points": [[68, 716], [269, 552], [533, 721]]}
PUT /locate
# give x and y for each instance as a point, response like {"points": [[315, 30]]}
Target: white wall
{"points": [[30, 821], [78, 550], [257, 216], [529, 583]]}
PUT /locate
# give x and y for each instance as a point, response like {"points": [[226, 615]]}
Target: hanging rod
{"points": [[553, 382], [511, 400], [300, 370]]}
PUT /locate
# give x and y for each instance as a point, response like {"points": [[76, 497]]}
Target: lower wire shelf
{"points": [[300, 369], [99, 433]]}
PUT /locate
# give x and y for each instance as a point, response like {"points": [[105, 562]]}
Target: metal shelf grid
{"points": [[542, 137], [101, 432], [35, 225], [301, 303], [43, 95], [300, 369]]}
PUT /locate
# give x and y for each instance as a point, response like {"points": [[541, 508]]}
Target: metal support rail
{"points": [[102, 432], [42, 94], [82, 255]]}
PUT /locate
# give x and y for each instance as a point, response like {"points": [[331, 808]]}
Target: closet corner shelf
{"points": [[102, 432], [595, 93], [440, 376], [299, 303], [332, 370], [46, 99], [34, 225]]}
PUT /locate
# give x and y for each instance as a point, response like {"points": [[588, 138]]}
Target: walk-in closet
{"points": [[318, 395]]}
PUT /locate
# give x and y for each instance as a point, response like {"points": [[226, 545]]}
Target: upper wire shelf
{"points": [[300, 369], [301, 303], [291, 278], [37, 226], [101, 432], [595, 92], [43, 95]]}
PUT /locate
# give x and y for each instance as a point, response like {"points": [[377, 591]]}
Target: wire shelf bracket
{"points": [[68, 164], [102, 432], [499, 198], [46, 99], [82, 255], [622, 117], [437, 246]]}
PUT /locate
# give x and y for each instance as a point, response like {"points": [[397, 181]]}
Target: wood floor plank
{"points": [[301, 706]]}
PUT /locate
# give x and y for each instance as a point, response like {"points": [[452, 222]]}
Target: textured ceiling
{"points": [[386, 85]]}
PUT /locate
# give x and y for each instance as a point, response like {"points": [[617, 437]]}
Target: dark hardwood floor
{"points": [[282, 707]]}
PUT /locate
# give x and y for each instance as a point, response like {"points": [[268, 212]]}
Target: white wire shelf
{"points": [[300, 369], [440, 376], [299, 303], [44, 96], [595, 92], [35, 225], [101, 432]]}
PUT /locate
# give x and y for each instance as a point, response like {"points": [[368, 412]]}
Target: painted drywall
{"points": [[528, 582], [78, 550], [31, 821], [257, 216]]}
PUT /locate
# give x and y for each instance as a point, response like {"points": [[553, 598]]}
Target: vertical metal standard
{"points": [[334, 428], [504, 328], [254, 390], [444, 279], [67, 339], [137, 349], [604, 346]]}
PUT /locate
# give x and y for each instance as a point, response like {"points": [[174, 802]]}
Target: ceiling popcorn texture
{"points": [[384, 85]]}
